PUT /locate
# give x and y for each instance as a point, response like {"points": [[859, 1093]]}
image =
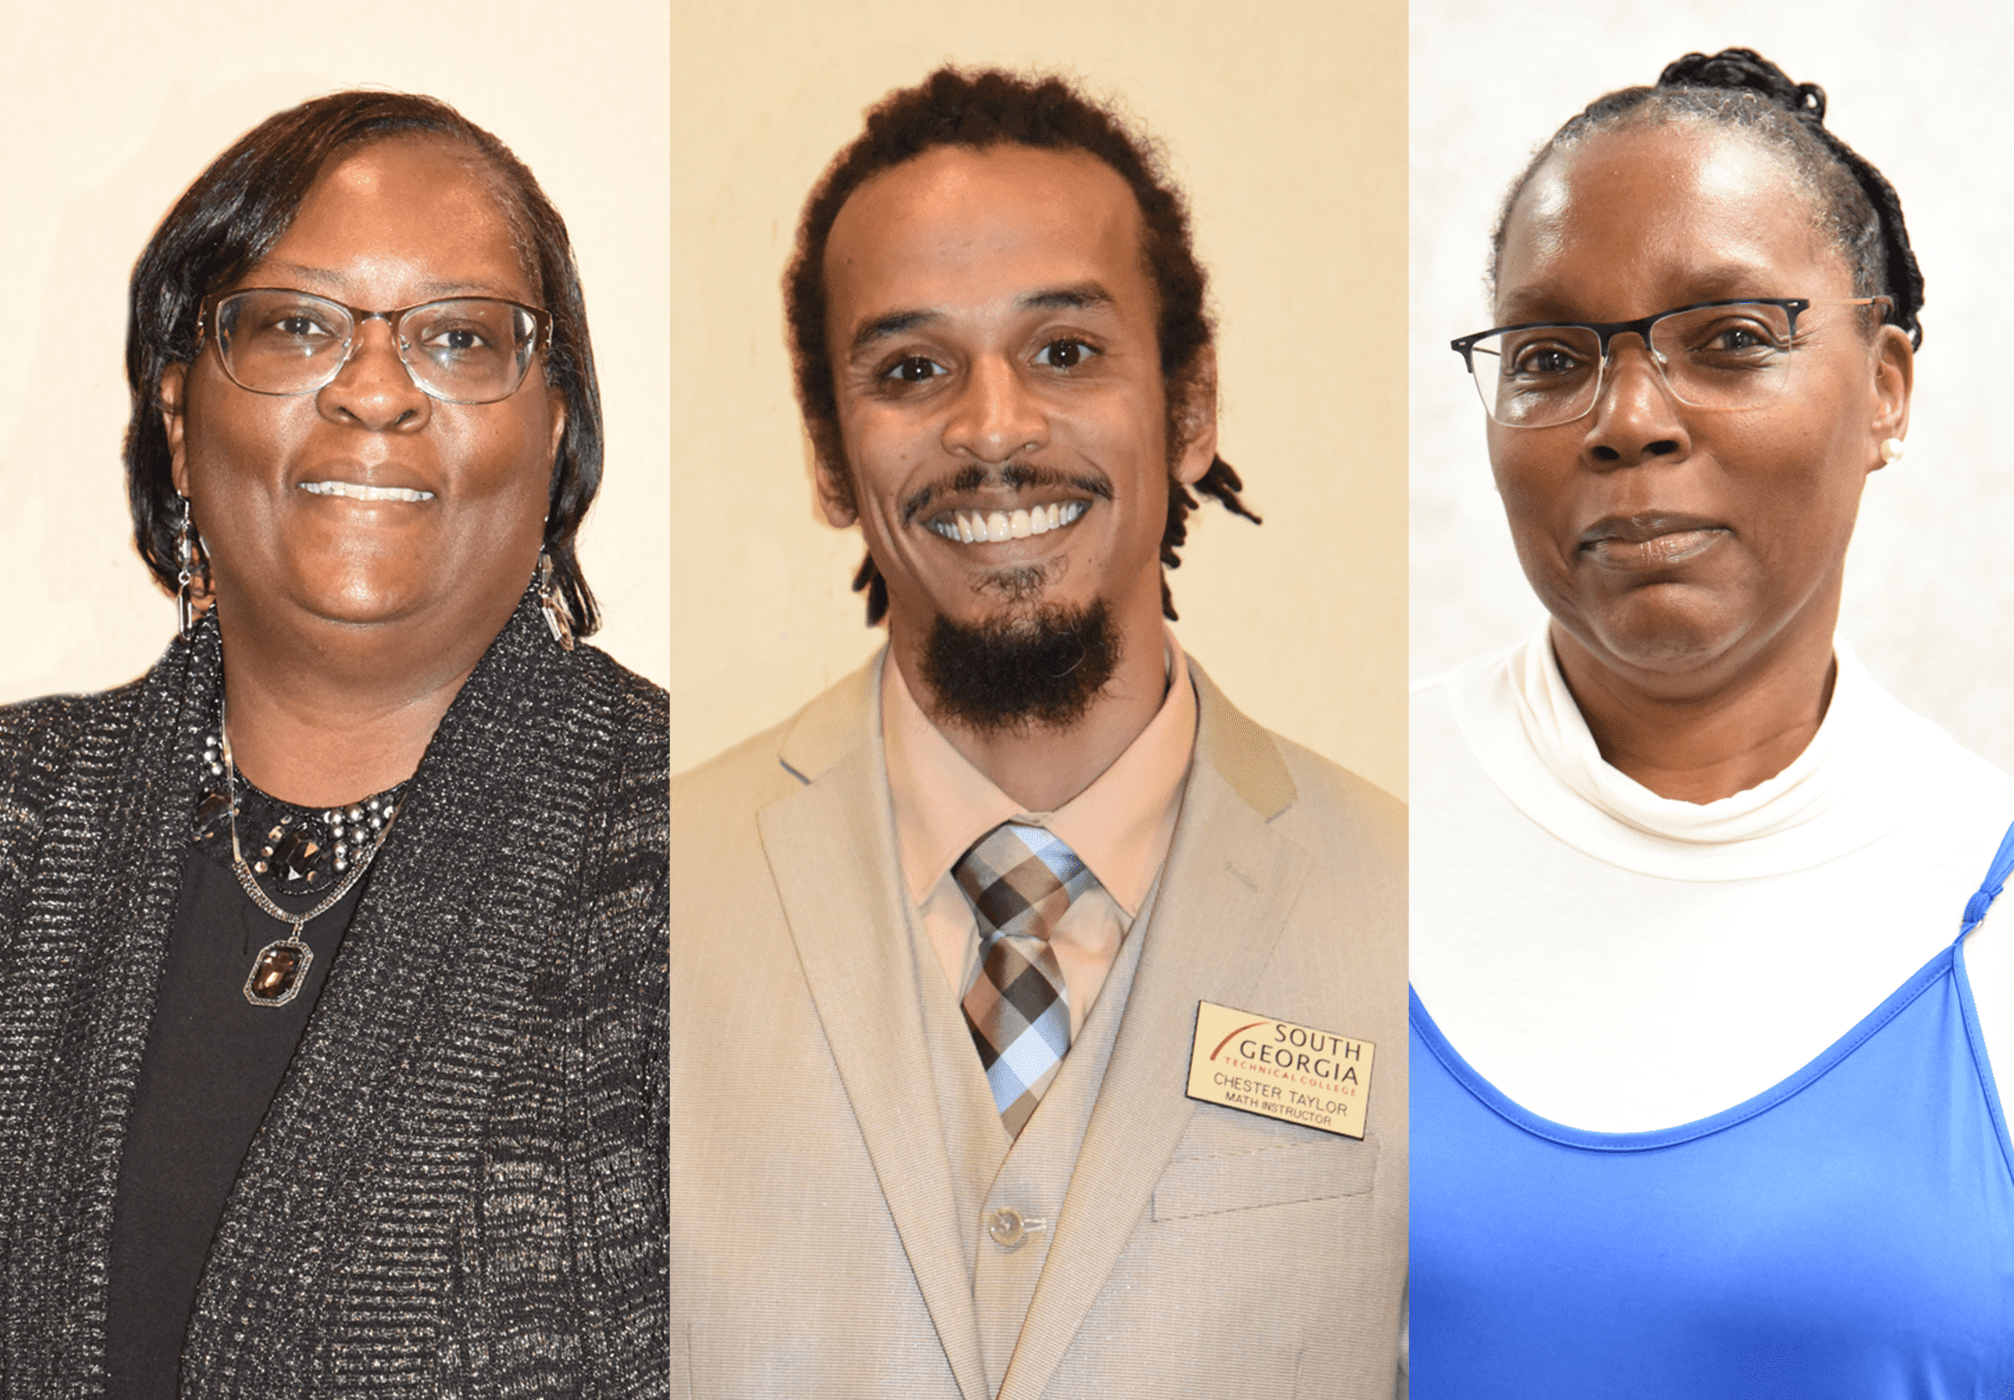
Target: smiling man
{"points": [[1028, 998]]}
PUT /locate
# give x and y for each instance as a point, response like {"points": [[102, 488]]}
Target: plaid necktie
{"points": [[1020, 879]]}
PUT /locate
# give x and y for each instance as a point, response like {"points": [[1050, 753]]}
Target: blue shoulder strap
{"points": [[1989, 890]]}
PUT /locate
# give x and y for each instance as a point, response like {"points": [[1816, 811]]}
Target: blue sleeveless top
{"points": [[1847, 1233]]}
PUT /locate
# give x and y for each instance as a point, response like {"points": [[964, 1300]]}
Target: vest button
{"points": [[1006, 1228]]}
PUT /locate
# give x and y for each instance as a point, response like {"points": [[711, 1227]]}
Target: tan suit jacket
{"points": [[816, 1248]]}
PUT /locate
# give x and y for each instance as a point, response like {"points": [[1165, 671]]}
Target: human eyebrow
{"points": [[894, 323], [1084, 296], [1545, 304], [1559, 302], [301, 272], [335, 281], [436, 290]]}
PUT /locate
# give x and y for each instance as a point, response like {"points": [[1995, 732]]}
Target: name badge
{"points": [[1277, 1069]]}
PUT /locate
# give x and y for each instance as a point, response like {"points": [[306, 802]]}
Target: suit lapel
{"points": [[831, 849], [1225, 892]]}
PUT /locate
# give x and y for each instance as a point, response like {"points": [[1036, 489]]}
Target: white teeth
{"points": [[365, 493], [981, 527]]}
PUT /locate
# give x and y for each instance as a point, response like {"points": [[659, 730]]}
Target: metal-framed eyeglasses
{"points": [[1712, 354], [276, 340]]}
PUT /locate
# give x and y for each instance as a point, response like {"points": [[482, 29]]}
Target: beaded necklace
{"points": [[300, 853]]}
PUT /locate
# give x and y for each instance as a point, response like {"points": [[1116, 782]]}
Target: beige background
{"points": [[109, 112], [1284, 123], [1922, 94]]}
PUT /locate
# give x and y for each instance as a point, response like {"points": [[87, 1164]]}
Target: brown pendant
{"points": [[278, 971]]}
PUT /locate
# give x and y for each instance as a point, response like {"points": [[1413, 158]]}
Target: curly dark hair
{"points": [[238, 209], [990, 108], [1858, 210]]}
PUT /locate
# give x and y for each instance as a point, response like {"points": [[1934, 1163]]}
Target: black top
{"points": [[213, 1063]]}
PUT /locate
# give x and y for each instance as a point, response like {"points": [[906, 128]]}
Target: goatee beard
{"points": [[1014, 673]]}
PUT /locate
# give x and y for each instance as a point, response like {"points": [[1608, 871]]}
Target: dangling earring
{"points": [[185, 551], [553, 604], [1891, 450]]}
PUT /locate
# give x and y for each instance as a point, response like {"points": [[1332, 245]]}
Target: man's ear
{"points": [[1195, 417], [835, 489], [170, 400]]}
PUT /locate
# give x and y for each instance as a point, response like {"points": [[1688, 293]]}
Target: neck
{"points": [[325, 715], [1702, 741], [1041, 767]]}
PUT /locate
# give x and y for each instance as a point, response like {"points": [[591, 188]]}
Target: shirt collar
{"points": [[1120, 826]]}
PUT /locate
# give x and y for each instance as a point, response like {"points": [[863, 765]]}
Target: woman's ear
{"points": [[556, 401], [1894, 366], [174, 382]]}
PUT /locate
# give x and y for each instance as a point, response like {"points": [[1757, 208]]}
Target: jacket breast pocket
{"points": [[1265, 1173]]}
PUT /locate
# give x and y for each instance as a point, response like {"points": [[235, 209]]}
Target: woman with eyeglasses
{"points": [[333, 950], [1701, 1093]]}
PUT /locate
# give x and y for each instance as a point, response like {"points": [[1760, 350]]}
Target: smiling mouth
{"points": [[992, 526], [365, 493]]}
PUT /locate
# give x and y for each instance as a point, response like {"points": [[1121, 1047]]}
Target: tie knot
{"points": [[1020, 879]]}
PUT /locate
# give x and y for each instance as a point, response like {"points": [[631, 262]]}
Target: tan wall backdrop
{"points": [[1285, 123], [109, 112]]}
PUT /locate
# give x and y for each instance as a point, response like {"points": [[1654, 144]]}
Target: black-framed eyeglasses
{"points": [[1712, 354], [275, 340]]}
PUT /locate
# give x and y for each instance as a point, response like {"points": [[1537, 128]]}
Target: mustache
{"points": [[1017, 476]]}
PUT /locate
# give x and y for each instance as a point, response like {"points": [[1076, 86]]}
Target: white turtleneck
{"points": [[1619, 961]]}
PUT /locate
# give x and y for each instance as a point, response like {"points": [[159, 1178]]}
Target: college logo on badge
{"points": [[1277, 1069]]}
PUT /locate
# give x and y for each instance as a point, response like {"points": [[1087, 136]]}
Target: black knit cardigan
{"points": [[461, 1186]]}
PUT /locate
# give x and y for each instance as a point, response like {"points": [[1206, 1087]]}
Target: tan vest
{"points": [[1010, 1194]]}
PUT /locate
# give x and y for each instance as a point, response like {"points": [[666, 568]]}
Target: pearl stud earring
{"points": [[1892, 449]]}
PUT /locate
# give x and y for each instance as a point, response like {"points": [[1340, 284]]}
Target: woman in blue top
{"points": [[1702, 1101]]}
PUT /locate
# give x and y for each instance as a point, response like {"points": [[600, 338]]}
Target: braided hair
{"points": [[1857, 208], [991, 107]]}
